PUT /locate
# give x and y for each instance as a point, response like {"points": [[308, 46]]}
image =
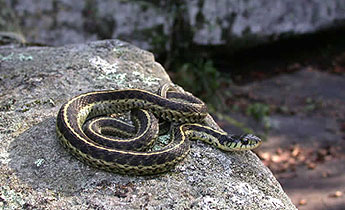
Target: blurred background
{"points": [[272, 67]]}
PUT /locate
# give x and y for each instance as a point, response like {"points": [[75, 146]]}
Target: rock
{"points": [[237, 24], [37, 172]]}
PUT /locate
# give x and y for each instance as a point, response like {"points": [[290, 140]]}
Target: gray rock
{"points": [[238, 24], [36, 172]]}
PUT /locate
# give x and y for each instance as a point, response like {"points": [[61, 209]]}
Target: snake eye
{"points": [[245, 141]]}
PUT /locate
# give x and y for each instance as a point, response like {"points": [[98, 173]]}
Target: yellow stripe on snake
{"points": [[87, 136]]}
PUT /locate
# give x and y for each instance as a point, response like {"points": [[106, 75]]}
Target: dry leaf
{"points": [[301, 158], [302, 202], [337, 194], [296, 150], [276, 158], [311, 165], [292, 161], [265, 155]]}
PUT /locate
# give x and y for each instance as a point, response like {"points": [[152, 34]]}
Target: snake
{"points": [[84, 128]]}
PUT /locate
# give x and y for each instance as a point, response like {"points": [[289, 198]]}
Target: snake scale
{"points": [[91, 146]]}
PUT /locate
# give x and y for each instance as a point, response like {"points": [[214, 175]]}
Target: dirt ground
{"points": [[302, 115]]}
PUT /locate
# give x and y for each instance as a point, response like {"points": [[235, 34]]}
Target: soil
{"points": [[304, 127]]}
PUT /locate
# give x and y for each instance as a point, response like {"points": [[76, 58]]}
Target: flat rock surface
{"points": [[36, 172]]}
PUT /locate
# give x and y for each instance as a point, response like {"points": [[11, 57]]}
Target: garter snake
{"points": [[111, 155]]}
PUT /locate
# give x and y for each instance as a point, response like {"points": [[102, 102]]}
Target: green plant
{"points": [[199, 77], [260, 113]]}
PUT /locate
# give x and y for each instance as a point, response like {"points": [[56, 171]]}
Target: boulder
{"points": [[236, 24], [37, 172]]}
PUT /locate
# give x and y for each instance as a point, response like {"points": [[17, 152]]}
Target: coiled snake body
{"points": [[115, 155]]}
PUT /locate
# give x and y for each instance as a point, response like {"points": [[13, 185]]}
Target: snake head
{"points": [[249, 141], [240, 142]]}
